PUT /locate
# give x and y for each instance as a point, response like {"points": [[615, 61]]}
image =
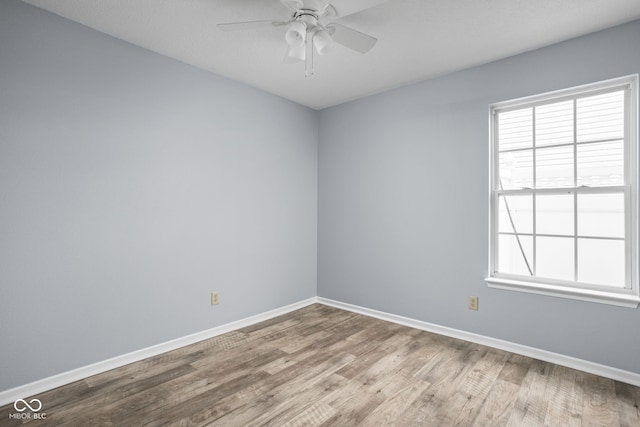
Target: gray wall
{"points": [[403, 203], [131, 186]]}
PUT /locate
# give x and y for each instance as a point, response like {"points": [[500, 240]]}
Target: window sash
{"points": [[575, 236]]}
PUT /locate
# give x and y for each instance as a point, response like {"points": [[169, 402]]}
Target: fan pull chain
{"points": [[312, 57], [309, 57]]}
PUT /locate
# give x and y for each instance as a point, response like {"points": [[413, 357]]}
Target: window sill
{"points": [[613, 298]]}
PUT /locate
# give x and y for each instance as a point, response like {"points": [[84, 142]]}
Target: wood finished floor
{"points": [[321, 366]]}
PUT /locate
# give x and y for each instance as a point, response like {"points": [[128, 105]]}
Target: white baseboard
{"points": [[547, 356], [40, 386]]}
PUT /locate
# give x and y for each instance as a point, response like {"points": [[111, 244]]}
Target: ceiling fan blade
{"points": [[249, 25], [347, 7], [348, 37], [293, 4]]}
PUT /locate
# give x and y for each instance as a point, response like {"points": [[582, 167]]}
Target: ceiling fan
{"points": [[307, 29]]}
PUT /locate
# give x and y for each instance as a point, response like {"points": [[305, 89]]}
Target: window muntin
{"points": [[563, 189]]}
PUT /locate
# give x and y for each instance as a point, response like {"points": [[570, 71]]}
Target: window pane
{"points": [[515, 129], [554, 123], [601, 164], [555, 258], [518, 209], [601, 215], [601, 262], [516, 170], [554, 167], [511, 259], [554, 214], [600, 117]]}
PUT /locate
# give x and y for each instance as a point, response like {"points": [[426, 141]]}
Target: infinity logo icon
{"points": [[21, 405]]}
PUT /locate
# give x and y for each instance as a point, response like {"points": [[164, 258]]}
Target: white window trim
{"points": [[625, 297]]}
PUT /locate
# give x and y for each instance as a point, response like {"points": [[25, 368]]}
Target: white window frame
{"points": [[625, 297]]}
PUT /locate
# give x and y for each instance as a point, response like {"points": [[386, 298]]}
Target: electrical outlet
{"points": [[473, 303], [215, 298]]}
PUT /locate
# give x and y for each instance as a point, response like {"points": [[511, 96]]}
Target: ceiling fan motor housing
{"points": [[308, 17]]}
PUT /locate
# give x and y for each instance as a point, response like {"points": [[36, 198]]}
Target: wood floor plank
{"points": [[482, 376], [446, 373], [116, 395], [496, 408], [530, 407], [314, 415], [305, 407], [322, 366], [388, 412], [600, 407], [472, 392], [565, 398], [299, 377], [515, 369], [628, 398]]}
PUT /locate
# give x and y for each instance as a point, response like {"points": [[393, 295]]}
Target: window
{"points": [[563, 199]]}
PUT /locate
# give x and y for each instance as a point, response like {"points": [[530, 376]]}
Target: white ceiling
{"points": [[417, 39]]}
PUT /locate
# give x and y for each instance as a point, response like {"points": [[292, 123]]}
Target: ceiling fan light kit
{"points": [[322, 41], [306, 33]]}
